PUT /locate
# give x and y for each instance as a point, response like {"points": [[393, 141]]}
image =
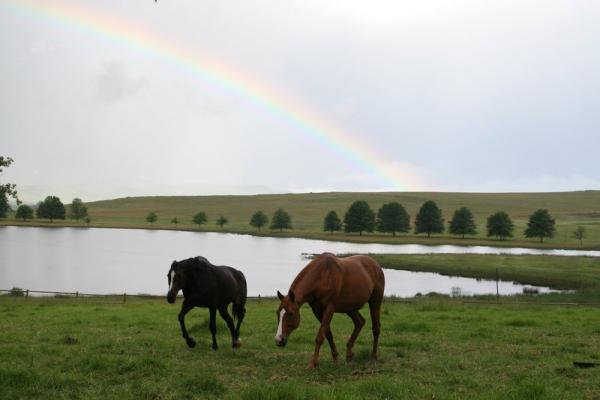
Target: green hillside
{"points": [[570, 209]]}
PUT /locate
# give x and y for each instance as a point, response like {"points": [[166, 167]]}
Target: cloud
{"points": [[114, 84], [540, 183]]}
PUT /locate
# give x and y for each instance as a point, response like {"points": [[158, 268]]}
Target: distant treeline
{"points": [[390, 218]]}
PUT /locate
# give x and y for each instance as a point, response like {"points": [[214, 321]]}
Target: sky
{"points": [[105, 99]]}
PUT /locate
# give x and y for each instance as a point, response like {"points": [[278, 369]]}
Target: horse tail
{"points": [[239, 305]]}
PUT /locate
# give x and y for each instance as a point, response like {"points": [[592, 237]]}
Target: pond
{"points": [[91, 260]]}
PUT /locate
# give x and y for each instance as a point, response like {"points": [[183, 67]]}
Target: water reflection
{"points": [[136, 261]]}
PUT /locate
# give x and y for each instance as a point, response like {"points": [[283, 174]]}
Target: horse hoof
{"points": [[214, 347], [311, 365], [349, 357], [237, 344], [191, 343]]}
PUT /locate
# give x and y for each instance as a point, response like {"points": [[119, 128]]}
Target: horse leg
{"points": [[318, 311], [225, 315], [185, 308], [325, 321], [375, 308], [359, 322], [213, 327]]}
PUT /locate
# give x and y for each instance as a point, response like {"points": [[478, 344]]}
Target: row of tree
{"points": [[392, 217], [281, 219], [52, 208]]}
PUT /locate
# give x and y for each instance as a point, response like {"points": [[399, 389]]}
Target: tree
{"points": [[499, 225], [87, 221], [359, 218], [281, 220], [4, 206], [151, 217], [392, 217], [199, 218], [579, 234], [222, 221], [258, 220], [463, 223], [7, 189], [51, 208], [175, 221], [429, 219], [541, 224], [78, 209], [24, 212], [332, 222]]}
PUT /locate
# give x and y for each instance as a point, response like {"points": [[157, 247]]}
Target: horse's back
{"points": [[360, 280], [233, 284], [215, 285]]}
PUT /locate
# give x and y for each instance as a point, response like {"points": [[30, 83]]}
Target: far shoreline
{"points": [[310, 235]]}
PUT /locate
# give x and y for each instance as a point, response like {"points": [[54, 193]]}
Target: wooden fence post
{"points": [[26, 294], [124, 297], [497, 291]]}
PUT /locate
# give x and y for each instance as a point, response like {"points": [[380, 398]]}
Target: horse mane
{"points": [[202, 260]]}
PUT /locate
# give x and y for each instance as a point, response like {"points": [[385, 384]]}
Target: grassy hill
{"points": [[570, 209]]}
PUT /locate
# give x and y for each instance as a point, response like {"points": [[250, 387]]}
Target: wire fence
{"points": [[123, 298], [120, 298], [126, 298]]}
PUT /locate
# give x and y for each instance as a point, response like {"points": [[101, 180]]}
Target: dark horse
{"points": [[207, 285], [329, 285]]}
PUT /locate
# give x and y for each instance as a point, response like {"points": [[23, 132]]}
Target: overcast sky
{"points": [[462, 95]]}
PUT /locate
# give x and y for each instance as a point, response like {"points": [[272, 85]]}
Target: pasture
{"points": [[433, 348], [570, 209], [558, 272]]}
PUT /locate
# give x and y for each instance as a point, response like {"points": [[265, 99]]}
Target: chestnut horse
{"points": [[330, 284]]}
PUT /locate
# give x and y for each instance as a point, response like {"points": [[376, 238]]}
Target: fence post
{"points": [[497, 291], [124, 297], [26, 294], [77, 293]]}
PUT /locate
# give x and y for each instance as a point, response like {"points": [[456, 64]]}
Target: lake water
{"points": [[91, 260]]}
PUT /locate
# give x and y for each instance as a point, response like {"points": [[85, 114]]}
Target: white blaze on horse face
{"points": [[280, 327], [172, 279]]}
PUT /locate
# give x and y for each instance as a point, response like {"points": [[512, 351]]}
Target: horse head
{"points": [[175, 279], [288, 317]]}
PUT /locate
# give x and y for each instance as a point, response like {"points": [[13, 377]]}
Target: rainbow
{"points": [[227, 78]]}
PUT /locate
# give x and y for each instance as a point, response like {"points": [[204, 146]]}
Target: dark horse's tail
{"points": [[239, 304]]}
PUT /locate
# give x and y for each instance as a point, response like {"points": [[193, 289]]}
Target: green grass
{"points": [[308, 210], [558, 272], [430, 349]]}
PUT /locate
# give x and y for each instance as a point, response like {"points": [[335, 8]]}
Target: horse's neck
{"points": [[304, 285]]}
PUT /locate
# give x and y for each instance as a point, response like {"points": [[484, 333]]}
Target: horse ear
{"points": [[292, 296], [279, 295]]}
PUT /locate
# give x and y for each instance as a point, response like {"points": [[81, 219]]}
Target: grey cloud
{"points": [[115, 83]]}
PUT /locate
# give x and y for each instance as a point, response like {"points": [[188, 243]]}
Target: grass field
{"points": [[558, 272], [570, 209], [430, 349]]}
